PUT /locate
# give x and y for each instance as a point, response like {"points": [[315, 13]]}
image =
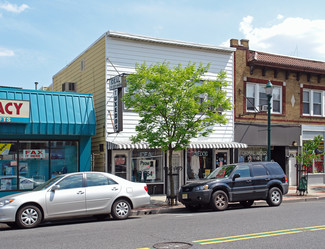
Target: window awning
{"points": [[197, 145]]}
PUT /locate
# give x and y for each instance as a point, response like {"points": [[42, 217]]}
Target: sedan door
{"points": [[68, 199], [242, 187], [101, 191]]}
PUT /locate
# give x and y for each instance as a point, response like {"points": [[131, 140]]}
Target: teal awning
{"points": [[51, 113]]}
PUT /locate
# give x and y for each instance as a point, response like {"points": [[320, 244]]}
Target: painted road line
{"points": [[258, 235]]}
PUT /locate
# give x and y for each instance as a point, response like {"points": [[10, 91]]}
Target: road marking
{"points": [[258, 235]]}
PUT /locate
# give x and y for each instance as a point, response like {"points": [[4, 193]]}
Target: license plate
{"points": [[184, 196]]}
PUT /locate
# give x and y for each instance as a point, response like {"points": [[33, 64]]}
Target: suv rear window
{"points": [[274, 168], [259, 170]]}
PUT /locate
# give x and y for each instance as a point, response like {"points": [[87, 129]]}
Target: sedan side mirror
{"points": [[55, 187], [235, 176]]}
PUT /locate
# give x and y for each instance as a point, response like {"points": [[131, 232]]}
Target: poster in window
{"points": [[148, 168], [6, 184]]}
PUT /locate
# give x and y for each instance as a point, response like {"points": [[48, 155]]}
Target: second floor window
{"points": [[312, 103], [256, 97]]}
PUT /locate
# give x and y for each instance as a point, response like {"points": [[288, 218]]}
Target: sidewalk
{"points": [[159, 203]]}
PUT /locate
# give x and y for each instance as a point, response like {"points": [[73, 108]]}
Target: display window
{"points": [[199, 163], [147, 166], [27, 164], [252, 154]]}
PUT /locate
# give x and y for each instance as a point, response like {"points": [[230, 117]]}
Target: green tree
{"points": [[175, 105], [309, 152]]}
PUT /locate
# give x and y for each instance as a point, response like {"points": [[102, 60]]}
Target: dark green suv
{"points": [[241, 182]]}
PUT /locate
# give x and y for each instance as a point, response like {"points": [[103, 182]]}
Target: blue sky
{"points": [[40, 37]]}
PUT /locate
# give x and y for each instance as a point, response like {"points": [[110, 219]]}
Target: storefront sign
{"points": [[33, 154], [5, 149], [148, 167], [14, 111], [118, 81]]}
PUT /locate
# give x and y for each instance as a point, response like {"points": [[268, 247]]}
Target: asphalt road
{"points": [[292, 225]]}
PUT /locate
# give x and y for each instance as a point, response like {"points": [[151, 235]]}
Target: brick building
{"points": [[297, 107]]}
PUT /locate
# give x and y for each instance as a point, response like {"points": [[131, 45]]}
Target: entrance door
{"points": [[120, 164]]}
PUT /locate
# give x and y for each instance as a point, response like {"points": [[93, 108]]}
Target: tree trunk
{"points": [[171, 179]]}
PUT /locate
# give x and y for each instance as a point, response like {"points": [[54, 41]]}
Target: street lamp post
{"points": [[268, 92]]}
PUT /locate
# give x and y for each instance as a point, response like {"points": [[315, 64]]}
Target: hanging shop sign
{"points": [[14, 111], [118, 81]]}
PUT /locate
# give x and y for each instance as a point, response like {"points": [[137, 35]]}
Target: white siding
{"points": [[123, 54]]}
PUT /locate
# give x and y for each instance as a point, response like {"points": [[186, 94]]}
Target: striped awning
{"points": [[197, 145]]}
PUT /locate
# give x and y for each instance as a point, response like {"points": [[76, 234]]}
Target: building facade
{"points": [[101, 70], [43, 134], [297, 107]]}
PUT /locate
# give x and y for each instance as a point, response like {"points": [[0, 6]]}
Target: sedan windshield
{"points": [[48, 183], [221, 172]]}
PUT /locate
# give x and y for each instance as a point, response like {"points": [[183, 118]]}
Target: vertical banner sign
{"points": [[14, 111]]}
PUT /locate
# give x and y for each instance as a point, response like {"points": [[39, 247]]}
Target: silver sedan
{"points": [[73, 195]]}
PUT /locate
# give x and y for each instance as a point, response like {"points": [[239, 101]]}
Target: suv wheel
{"points": [[275, 197], [219, 200]]}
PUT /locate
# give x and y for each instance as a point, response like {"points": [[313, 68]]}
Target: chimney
{"points": [[36, 83], [244, 43], [234, 43]]}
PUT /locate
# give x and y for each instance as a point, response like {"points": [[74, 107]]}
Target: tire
{"points": [[219, 200], [247, 204], [28, 217], [121, 209], [274, 197]]}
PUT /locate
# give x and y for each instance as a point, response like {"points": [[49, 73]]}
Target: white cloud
{"points": [[304, 37], [279, 17], [6, 52], [13, 7]]}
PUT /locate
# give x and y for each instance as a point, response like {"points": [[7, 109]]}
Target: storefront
{"points": [[139, 163], [316, 173], [43, 134]]}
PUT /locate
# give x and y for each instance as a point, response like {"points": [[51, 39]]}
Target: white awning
{"points": [[198, 145]]}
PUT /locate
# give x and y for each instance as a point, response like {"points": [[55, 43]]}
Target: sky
{"points": [[40, 37]]}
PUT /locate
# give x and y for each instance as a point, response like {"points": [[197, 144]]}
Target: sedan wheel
{"points": [[121, 209], [28, 217], [275, 197], [219, 200]]}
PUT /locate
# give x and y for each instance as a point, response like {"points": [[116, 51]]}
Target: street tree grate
{"points": [[171, 245]]}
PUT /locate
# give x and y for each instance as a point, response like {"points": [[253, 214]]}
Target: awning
{"points": [[197, 145]]}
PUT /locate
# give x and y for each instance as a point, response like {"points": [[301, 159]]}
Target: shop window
{"points": [[26, 164], [33, 162], [199, 163], [64, 157], [147, 166], [8, 166]]}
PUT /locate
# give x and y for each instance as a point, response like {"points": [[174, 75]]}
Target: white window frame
{"points": [[257, 87], [311, 102]]}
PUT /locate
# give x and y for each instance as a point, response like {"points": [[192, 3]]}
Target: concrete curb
{"points": [[181, 208]]}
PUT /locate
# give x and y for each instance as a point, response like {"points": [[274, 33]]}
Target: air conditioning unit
{"points": [[263, 108]]}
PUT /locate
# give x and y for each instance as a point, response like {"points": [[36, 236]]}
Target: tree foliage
{"points": [[310, 151], [175, 104], [169, 102]]}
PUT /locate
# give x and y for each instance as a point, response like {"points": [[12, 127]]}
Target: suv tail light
{"points": [[146, 188], [285, 179]]}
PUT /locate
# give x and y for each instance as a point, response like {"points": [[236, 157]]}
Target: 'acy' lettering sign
{"points": [[14, 111]]}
